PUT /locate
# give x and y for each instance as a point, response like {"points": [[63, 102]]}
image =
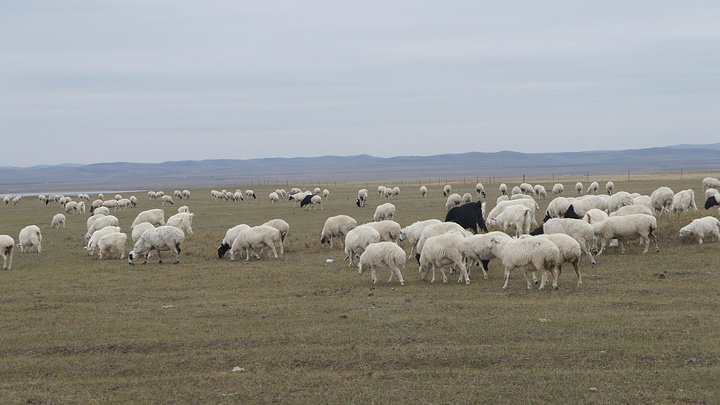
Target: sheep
{"points": [[229, 238], [627, 227], [237, 196], [7, 244], [250, 193], [95, 205], [684, 200], [7, 200], [112, 243], [453, 200], [158, 194], [530, 203], [527, 189], [593, 188], [710, 182], [102, 222], [16, 200], [304, 198], [503, 189], [395, 192], [475, 248], [166, 200], [594, 215], [389, 230], [381, 190], [110, 204], [468, 216], [579, 188], [447, 190], [97, 235], [183, 208], [362, 196], [701, 227], [501, 198], [57, 220], [558, 188], [644, 200], [541, 253], [81, 207], [710, 192], [71, 207], [316, 201], [712, 201], [384, 211], [357, 239], [609, 187], [155, 216], [182, 221], [93, 218], [619, 200], [326, 194], [540, 191], [317, 191], [438, 229], [557, 207], [30, 236], [480, 190], [248, 240], [580, 206], [123, 203], [632, 209], [283, 227], [151, 195], [413, 232], [423, 191], [440, 251], [101, 211], [570, 252], [661, 200], [466, 198], [162, 238], [516, 190], [383, 254], [139, 230], [581, 231], [515, 215], [337, 226], [186, 194]]}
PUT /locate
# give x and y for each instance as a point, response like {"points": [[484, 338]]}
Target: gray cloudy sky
{"points": [[151, 81]]}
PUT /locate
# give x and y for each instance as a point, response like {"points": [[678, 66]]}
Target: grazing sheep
{"points": [[384, 211], [423, 191], [684, 200], [358, 239], [383, 254], [661, 200], [581, 231], [257, 237], [643, 200], [710, 182], [71, 207], [326, 194], [609, 187], [155, 216], [632, 209], [527, 189], [593, 188], [16, 200], [517, 216], [619, 200], [110, 204], [701, 227], [316, 201], [395, 192], [413, 232], [501, 199], [503, 189], [162, 238], [283, 227], [93, 218], [7, 244], [540, 253], [710, 192], [95, 238], [453, 200], [113, 243], [30, 237], [100, 223], [528, 202], [440, 251], [229, 238], [389, 230], [570, 252], [579, 188], [186, 194], [475, 248], [540, 191], [480, 190], [516, 190], [123, 203], [438, 229], [362, 196], [466, 198], [139, 230], [447, 190], [337, 226], [594, 216], [468, 216], [178, 194], [381, 190], [558, 188], [183, 208], [580, 206], [628, 227], [166, 200], [182, 221], [58, 219], [557, 207], [317, 191], [250, 193], [7, 200], [712, 201]]}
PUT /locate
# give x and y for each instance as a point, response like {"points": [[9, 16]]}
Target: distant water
{"points": [[110, 194]]}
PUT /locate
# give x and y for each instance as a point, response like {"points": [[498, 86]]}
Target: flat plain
{"points": [[643, 328]]}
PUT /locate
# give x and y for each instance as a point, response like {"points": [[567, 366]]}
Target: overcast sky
{"points": [[152, 81]]}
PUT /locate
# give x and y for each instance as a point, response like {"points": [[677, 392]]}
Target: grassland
{"points": [[642, 329]]}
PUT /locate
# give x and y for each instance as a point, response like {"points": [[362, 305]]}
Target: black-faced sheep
{"points": [[159, 239], [229, 238], [480, 190], [257, 237], [468, 216]]}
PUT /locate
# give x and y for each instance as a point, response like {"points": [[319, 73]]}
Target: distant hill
{"points": [[229, 172]]}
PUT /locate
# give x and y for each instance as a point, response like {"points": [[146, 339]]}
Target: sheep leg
{"points": [[399, 275], [527, 280], [576, 265], [442, 270], [556, 274], [159, 256], [373, 274], [177, 253], [543, 278], [647, 244], [272, 248], [464, 274], [433, 273], [652, 237], [484, 267], [507, 277]]}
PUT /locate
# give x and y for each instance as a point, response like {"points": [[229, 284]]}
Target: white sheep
{"points": [[182, 221], [632, 209], [159, 239], [395, 192], [594, 216], [101, 211], [527, 189], [316, 201], [389, 230], [579, 188], [7, 200], [337, 226], [540, 191], [440, 251], [609, 187], [570, 252], [438, 229], [701, 227], [97, 235], [30, 237], [710, 192], [81, 207], [711, 182], [155, 216], [237, 196], [684, 200], [384, 211], [317, 191], [619, 200], [326, 194], [110, 204], [644, 200], [362, 196], [166, 200], [257, 237], [93, 218], [7, 244], [557, 207], [558, 188], [466, 198], [475, 248], [542, 254], [579, 206], [178, 194], [186, 194], [281, 226], [447, 190], [358, 239], [661, 200], [183, 208], [627, 227], [100, 223], [383, 254], [503, 189], [593, 188], [57, 220], [502, 205], [71, 207], [229, 238], [250, 193], [579, 230], [413, 232], [517, 216], [139, 229], [423, 191], [516, 190], [113, 243], [453, 200]]}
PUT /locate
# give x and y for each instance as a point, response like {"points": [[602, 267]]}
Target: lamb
{"points": [[229, 238], [423, 191], [581, 231], [182, 221], [609, 187], [113, 243], [632, 209], [593, 188], [438, 229], [466, 198], [139, 230], [516, 215], [102, 222], [558, 188], [30, 237], [540, 253], [453, 200], [95, 238], [7, 244], [384, 211], [389, 230], [628, 227], [440, 251], [283, 227], [503, 189], [475, 248], [337, 226], [413, 232], [358, 239], [58, 219], [155, 216], [256, 237], [684, 200], [383, 254], [540, 191], [166, 200], [447, 190], [701, 227], [480, 189], [710, 182], [468, 216], [162, 238], [362, 196], [661, 200]]}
